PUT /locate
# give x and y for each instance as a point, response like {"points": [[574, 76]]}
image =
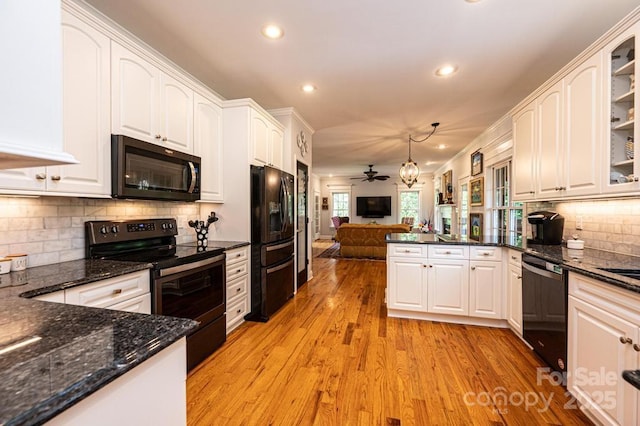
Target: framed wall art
{"points": [[475, 226], [476, 192], [325, 203], [476, 163]]}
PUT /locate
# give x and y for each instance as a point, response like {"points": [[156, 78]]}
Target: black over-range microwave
{"points": [[146, 171]]}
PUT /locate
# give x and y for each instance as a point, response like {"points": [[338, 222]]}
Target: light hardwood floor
{"points": [[332, 357]]}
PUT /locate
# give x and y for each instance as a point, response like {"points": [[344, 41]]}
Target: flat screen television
{"points": [[373, 207]]}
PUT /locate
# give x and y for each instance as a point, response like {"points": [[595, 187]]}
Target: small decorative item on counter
{"points": [[18, 261], [631, 114], [575, 243], [202, 230], [632, 82], [629, 148], [5, 265]]}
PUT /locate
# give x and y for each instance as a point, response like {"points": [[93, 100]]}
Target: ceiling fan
{"points": [[371, 175]]}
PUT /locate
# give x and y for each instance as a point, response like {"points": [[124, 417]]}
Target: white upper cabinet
{"points": [[276, 147], [582, 128], [622, 155], [148, 104], [86, 119], [31, 85], [208, 146], [549, 158], [524, 136], [267, 140]]}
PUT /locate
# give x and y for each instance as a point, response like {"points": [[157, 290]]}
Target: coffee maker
{"points": [[546, 227]]}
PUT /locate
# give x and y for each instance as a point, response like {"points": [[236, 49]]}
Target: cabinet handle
{"points": [[238, 311], [486, 254], [424, 266], [563, 188], [532, 192], [473, 268], [238, 271], [447, 252], [514, 258], [239, 255], [55, 178], [117, 291], [556, 188], [635, 179], [430, 266], [239, 289], [625, 340], [519, 277], [41, 176], [158, 136], [407, 251], [164, 139], [636, 347]]}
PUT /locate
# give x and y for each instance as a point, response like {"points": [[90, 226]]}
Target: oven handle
{"points": [[193, 177], [191, 265], [277, 268], [543, 272]]}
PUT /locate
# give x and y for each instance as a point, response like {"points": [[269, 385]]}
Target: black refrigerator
{"points": [[272, 236]]}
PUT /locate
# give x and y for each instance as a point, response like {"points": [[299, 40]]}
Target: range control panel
{"points": [[102, 231]]}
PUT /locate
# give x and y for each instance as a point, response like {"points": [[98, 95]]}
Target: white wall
{"points": [[366, 189]]}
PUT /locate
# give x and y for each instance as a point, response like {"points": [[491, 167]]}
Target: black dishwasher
{"points": [[544, 309]]}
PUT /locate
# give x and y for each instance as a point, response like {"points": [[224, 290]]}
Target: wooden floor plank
{"points": [[331, 356]]}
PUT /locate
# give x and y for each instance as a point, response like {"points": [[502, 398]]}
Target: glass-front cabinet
{"points": [[623, 162]]}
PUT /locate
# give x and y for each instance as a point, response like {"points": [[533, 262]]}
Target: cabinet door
{"points": [[208, 146], [407, 284], [524, 133], [134, 95], [606, 396], [140, 304], [259, 139], [550, 165], [514, 295], [449, 287], [583, 140], [485, 289], [86, 111], [276, 147], [176, 114]]}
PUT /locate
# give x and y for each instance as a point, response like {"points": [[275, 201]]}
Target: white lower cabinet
{"points": [[410, 289], [603, 340], [129, 292], [439, 282], [238, 289], [449, 287], [514, 291]]}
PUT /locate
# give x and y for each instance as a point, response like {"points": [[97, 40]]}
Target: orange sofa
{"points": [[366, 240]]}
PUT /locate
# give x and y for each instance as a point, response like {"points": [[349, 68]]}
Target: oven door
{"points": [[143, 170], [194, 290]]}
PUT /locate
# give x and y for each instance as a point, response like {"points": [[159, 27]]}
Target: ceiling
{"points": [[373, 63]]}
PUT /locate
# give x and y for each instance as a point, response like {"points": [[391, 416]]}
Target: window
{"points": [[410, 205], [506, 216], [464, 207], [340, 202]]}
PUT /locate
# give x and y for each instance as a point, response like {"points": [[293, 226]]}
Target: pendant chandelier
{"points": [[409, 171]]}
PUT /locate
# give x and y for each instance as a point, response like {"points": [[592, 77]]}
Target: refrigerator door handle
{"points": [[284, 203]]}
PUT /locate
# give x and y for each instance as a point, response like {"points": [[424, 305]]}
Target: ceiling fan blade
{"points": [[382, 177]]}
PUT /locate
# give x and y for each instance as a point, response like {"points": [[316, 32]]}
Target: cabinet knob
{"points": [[513, 257], [473, 268], [239, 270], [636, 347], [238, 311], [532, 192], [164, 139], [625, 340], [407, 251], [486, 254], [117, 291], [563, 188], [519, 277], [635, 179], [430, 266], [55, 178], [557, 188], [424, 266], [239, 289], [447, 252], [41, 176], [158, 136], [239, 254]]}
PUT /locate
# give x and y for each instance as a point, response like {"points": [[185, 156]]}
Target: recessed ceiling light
{"points": [[308, 88], [272, 31], [446, 70], [441, 146]]}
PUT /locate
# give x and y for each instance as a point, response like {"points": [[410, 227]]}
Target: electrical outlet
{"points": [[579, 223]]}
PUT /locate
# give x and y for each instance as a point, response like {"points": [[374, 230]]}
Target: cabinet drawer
{"points": [[237, 255], [109, 292], [448, 252], [237, 288], [237, 270], [236, 313], [485, 253], [515, 257], [140, 304], [406, 250]]}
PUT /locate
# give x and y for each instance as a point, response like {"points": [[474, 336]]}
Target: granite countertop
{"points": [[74, 350], [214, 244], [587, 262]]}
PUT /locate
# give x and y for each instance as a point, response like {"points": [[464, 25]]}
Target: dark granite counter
{"points": [[54, 355], [587, 262], [226, 245], [633, 377]]}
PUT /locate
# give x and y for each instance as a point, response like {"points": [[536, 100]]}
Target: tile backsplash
{"points": [[51, 229], [611, 225]]}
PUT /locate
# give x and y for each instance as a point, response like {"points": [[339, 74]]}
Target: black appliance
{"points": [[546, 227], [373, 207], [147, 171], [272, 229], [544, 309], [185, 282]]}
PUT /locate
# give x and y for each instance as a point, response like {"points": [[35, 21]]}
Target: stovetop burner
{"points": [[143, 240]]}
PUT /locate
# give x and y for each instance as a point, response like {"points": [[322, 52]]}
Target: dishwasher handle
{"points": [[543, 272]]}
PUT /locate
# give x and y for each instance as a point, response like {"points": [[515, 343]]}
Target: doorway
{"points": [[302, 261]]}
